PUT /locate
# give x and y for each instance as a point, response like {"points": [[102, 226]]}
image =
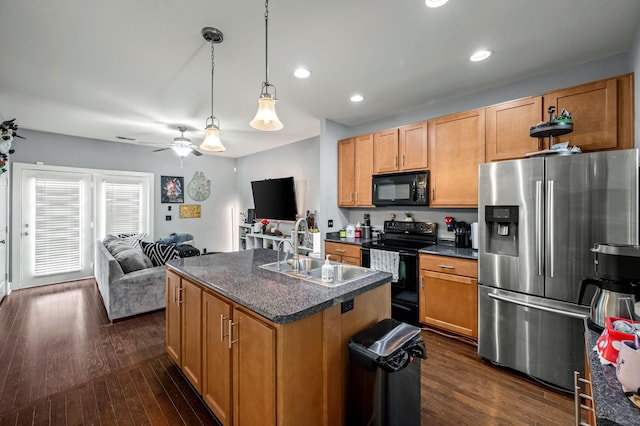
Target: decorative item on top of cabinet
{"points": [[345, 253], [507, 129], [355, 167], [602, 113], [457, 148], [449, 294], [401, 149]]}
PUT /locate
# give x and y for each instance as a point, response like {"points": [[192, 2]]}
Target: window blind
{"points": [[123, 204], [57, 226]]}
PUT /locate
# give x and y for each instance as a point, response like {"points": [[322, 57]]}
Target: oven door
{"points": [[404, 292]]}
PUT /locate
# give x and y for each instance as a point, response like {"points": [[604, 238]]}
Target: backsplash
{"points": [[420, 214]]}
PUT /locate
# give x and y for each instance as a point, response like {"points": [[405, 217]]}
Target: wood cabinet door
{"points": [[173, 318], [216, 356], [254, 373], [594, 111], [385, 151], [457, 148], [507, 129], [413, 146], [449, 302], [363, 169], [191, 300], [346, 172]]}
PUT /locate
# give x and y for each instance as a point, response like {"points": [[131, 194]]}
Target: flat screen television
{"points": [[275, 198]]}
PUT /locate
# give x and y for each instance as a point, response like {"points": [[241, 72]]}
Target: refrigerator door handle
{"points": [[550, 211], [539, 227], [539, 307]]}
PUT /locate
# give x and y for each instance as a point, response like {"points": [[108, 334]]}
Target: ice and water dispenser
{"points": [[502, 229]]}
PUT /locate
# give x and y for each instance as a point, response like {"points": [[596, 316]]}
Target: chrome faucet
{"points": [[294, 237], [285, 254]]}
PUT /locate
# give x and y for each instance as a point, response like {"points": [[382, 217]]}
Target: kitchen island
{"points": [[262, 347]]}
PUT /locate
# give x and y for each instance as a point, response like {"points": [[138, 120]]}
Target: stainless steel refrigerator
{"points": [[538, 219]]}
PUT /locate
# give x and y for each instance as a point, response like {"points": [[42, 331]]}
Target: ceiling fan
{"points": [[181, 145]]}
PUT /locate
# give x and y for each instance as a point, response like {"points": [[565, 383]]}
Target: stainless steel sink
{"points": [[310, 269]]}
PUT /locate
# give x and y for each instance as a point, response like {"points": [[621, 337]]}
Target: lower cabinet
{"points": [[449, 294], [345, 253], [250, 371]]}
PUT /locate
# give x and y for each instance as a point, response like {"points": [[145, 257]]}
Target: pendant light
{"points": [[266, 118], [212, 130]]}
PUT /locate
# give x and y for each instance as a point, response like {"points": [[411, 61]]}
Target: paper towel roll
{"points": [[474, 235]]}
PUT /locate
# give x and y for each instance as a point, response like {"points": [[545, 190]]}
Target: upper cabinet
{"points": [[355, 167], [602, 113], [401, 149], [507, 129], [457, 148]]}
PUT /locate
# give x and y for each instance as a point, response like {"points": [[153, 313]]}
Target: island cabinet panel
{"points": [[355, 167], [449, 294], [385, 151], [191, 300], [507, 129], [173, 321], [457, 148], [254, 381], [216, 356], [413, 146], [602, 113], [345, 253]]}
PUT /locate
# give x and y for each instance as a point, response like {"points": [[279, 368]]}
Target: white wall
{"points": [[212, 231], [299, 160]]}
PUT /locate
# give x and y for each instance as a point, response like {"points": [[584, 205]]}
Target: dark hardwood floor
{"points": [[63, 363]]}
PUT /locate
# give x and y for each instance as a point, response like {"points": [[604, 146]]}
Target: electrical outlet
{"points": [[330, 223], [346, 306]]}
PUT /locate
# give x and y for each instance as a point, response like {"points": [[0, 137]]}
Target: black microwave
{"points": [[401, 189]]}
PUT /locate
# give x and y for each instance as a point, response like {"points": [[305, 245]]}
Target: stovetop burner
{"points": [[406, 236]]}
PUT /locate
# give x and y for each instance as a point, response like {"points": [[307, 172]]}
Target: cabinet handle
{"points": [[395, 161], [446, 266], [356, 196], [433, 194], [180, 295], [175, 294], [222, 319], [403, 159], [340, 250], [231, 341], [421, 282]]}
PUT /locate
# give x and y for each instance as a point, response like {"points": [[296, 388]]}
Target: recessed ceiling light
{"points": [[302, 73], [435, 3], [480, 55], [357, 98]]}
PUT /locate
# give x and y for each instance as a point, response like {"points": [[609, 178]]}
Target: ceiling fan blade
{"points": [[161, 149], [196, 153]]}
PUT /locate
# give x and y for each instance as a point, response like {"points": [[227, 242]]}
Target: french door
{"points": [[4, 203], [56, 229]]}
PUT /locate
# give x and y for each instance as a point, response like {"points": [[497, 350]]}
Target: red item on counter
{"points": [[610, 341]]}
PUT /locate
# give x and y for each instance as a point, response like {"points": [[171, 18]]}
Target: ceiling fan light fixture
{"points": [[266, 118], [212, 139], [181, 150]]}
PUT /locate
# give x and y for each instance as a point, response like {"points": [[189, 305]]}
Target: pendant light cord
{"points": [[213, 66], [266, 42]]}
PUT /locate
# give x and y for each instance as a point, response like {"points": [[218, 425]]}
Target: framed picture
{"points": [[188, 211], [172, 189]]}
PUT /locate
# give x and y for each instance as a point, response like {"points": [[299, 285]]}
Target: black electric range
{"points": [[405, 238]]}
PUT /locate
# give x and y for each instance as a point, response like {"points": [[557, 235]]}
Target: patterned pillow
{"points": [[159, 253], [134, 239]]}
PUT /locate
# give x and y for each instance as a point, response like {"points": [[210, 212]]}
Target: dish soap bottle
{"points": [[327, 271]]}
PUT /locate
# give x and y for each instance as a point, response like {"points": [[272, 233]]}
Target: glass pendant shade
{"points": [[212, 139], [266, 118], [182, 151]]}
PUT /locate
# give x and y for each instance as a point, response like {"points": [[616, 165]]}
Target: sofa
{"points": [[127, 279]]}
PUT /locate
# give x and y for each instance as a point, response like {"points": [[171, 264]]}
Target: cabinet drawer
{"points": [[449, 265], [349, 250]]}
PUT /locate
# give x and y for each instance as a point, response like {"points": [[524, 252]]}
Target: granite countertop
{"points": [[334, 237], [446, 248], [277, 297], [612, 407]]}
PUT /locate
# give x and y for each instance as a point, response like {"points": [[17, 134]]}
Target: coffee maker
{"points": [[617, 267]]}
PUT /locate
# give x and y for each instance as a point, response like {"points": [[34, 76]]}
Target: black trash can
{"points": [[385, 375]]}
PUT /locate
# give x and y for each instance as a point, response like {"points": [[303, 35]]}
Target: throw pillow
{"points": [[159, 253], [132, 259], [174, 238], [134, 239]]}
